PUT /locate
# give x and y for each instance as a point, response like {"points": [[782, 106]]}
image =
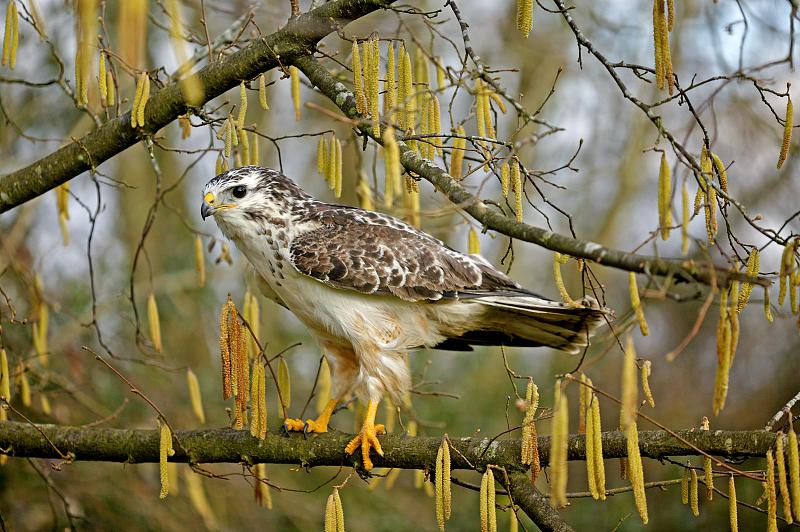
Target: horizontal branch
{"points": [[681, 270], [298, 36], [226, 445]]}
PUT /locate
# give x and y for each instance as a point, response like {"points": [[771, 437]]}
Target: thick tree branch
{"points": [[526, 496], [232, 446], [681, 270], [299, 35]]}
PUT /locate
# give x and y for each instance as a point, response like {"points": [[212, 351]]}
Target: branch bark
{"points": [[681, 270], [225, 445], [299, 36]]}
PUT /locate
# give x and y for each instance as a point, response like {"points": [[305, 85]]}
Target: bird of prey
{"points": [[370, 288]]}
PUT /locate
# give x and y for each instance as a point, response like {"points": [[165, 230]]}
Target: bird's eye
{"points": [[239, 191]]}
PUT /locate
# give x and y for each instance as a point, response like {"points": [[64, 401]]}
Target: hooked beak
{"points": [[207, 208]]}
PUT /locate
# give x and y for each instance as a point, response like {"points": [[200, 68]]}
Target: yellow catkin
{"points": [[154, 323], [710, 195], [505, 178], [435, 126], [708, 472], [664, 196], [694, 499], [459, 149], [558, 448], [685, 485], [658, 41], [11, 35], [87, 35], [165, 451], [473, 242], [442, 489], [409, 100], [262, 92], [337, 183], [143, 100], [772, 500], [670, 14], [391, 164], [337, 506], [261, 488], [24, 385], [221, 164], [487, 111], [111, 96], [240, 119], [330, 514], [630, 392], [685, 216], [787, 132], [199, 501], [794, 469], [517, 184], [195, 398], [487, 502], [244, 146], [422, 75], [733, 509], [364, 192], [254, 320], [794, 286], [258, 413], [390, 85], [45, 402], [783, 483], [588, 425], [358, 79], [753, 265], [255, 157], [102, 79], [323, 390], [767, 306], [294, 74], [636, 304], [5, 377], [322, 156], [199, 261], [597, 450], [724, 338], [722, 174], [284, 387], [525, 17], [647, 368], [227, 320], [558, 260], [372, 83], [636, 471], [331, 163], [530, 443], [136, 99]]}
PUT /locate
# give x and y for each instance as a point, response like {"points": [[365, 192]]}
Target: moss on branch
{"points": [[225, 445]]}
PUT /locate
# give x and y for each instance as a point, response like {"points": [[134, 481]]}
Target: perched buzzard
{"points": [[370, 288]]}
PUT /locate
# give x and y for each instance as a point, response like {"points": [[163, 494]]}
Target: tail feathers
{"points": [[526, 320]]}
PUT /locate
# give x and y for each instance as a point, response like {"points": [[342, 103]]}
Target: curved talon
{"points": [[315, 425], [293, 425], [367, 439]]}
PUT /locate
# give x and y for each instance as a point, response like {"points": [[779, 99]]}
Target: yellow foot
{"points": [[310, 425], [367, 439]]}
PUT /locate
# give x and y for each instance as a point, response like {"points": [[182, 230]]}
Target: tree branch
{"points": [[225, 445], [526, 496], [681, 270], [299, 35]]}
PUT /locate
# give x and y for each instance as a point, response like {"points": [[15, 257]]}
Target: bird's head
{"points": [[242, 197]]}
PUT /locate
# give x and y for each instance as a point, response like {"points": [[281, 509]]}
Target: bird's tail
{"points": [[526, 320]]}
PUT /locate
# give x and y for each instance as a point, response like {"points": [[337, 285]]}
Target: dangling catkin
{"points": [[258, 406], [459, 149], [284, 387], [390, 86], [558, 448], [635, 470], [294, 74], [664, 196], [262, 92], [442, 480], [165, 451], [487, 502], [525, 17], [337, 183], [530, 443], [597, 448], [516, 182], [558, 260], [733, 509], [11, 35], [636, 304], [5, 377], [630, 392], [722, 174], [391, 165], [240, 119], [772, 501], [154, 323], [647, 368], [685, 215], [753, 265], [199, 261], [473, 243], [102, 79], [505, 178], [323, 385], [685, 484], [228, 326], [794, 469], [787, 132], [195, 398], [783, 484], [694, 501], [372, 83]]}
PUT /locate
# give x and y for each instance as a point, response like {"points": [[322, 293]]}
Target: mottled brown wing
{"points": [[384, 256]]}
